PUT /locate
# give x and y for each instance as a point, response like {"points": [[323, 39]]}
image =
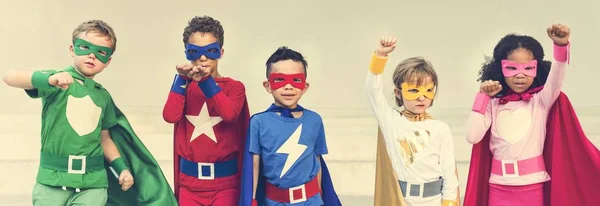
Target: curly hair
{"points": [[492, 68], [204, 24]]}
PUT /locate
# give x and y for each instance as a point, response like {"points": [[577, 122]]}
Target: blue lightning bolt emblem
{"points": [[293, 149]]}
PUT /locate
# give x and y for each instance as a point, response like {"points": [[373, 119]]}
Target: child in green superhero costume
{"points": [[89, 152]]}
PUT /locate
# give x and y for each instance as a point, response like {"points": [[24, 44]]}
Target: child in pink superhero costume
{"points": [[529, 147]]}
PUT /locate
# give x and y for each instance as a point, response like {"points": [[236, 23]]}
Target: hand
{"points": [[559, 34], [387, 44], [490, 87], [184, 70], [61, 80], [199, 72], [125, 180]]}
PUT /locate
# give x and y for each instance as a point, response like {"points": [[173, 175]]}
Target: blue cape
{"points": [[328, 194]]}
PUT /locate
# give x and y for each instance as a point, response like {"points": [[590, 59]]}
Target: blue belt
{"points": [[208, 171], [421, 190]]}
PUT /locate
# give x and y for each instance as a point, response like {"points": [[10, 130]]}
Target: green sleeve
{"points": [[110, 116], [42, 88]]}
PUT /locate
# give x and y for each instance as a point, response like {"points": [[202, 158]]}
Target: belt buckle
{"points": [[515, 168], [291, 193], [211, 176], [70, 169], [409, 187]]}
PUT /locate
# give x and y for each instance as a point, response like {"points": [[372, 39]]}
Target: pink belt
{"points": [[515, 168]]}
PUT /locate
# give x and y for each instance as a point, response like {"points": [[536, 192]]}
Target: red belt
{"points": [[295, 194]]}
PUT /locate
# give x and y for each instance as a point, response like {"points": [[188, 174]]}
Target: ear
{"points": [[267, 86], [306, 87], [71, 50], [398, 93], [222, 53], [108, 62]]}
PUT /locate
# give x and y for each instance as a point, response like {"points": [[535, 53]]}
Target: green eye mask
{"points": [[82, 47]]}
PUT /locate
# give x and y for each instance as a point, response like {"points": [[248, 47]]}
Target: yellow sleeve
{"points": [[377, 64]]}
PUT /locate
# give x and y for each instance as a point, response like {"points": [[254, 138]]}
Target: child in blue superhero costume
{"points": [[282, 162]]}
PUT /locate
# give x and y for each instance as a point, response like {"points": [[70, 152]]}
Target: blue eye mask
{"points": [[211, 51]]}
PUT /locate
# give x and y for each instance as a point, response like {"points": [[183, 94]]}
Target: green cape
{"points": [[150, 187]]}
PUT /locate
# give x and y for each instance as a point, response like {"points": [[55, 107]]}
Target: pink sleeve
{"points": [[556, 76], [480, 118]]}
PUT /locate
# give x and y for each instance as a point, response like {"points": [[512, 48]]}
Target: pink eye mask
{"points": [[510, 68]]}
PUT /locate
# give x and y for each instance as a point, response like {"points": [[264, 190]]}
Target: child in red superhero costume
{"points": [[529, 147], [210, 114]]}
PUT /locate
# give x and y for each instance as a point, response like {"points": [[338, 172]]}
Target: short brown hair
{"points": [[414, 67], [97, 26], [204, 24]]}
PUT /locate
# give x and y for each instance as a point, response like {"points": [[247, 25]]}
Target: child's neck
{"points": [[83, 75], [215, 74]]}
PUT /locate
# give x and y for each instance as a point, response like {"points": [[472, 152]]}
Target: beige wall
{"points": [[336, 39]]}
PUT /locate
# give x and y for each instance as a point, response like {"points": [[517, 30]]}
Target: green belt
{"points": [[72, 164]]}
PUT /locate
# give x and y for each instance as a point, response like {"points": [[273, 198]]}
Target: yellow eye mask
{"points": [[412, 92]]}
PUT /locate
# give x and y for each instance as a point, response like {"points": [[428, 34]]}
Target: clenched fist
{"points": [[125, 180], [490, 87], [61, 80], [387, 44], [559, 34]]}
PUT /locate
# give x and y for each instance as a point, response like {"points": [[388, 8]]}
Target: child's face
{"points": [[89, 65], [520, 83], [287, 83], [416, 99], [202, 40]]}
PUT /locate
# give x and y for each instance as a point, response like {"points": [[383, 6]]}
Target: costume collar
{"points": [[415, 117], [285, 112], [513, 96]]}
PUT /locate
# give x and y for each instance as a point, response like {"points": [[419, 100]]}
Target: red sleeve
{"points": [[176, 101], [229, 106]]}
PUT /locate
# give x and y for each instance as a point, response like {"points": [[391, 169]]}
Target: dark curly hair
{"points": [[492, 68], [204, 24]]}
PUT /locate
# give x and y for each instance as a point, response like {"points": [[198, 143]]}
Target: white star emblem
{"points": [[203, 124]]}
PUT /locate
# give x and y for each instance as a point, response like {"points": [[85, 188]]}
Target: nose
{"points": [[421, 98], [288, 86], [520, 75], [92, 56]]}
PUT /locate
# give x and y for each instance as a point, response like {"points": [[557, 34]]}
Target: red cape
{"points": [[242, 127], [572, 162]]}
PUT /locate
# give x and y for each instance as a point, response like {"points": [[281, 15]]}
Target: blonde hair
{"points": [[99, 27], [413, 68]]}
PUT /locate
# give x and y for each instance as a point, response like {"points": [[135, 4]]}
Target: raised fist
{"points": [[559, 34], [387, 44]]}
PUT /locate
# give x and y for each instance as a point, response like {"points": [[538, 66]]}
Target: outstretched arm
{"points": [[19, 79], [560, 36], [374, 83]]}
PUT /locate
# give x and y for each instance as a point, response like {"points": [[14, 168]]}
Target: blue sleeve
{"points": [[254, 140], [321, 144]]}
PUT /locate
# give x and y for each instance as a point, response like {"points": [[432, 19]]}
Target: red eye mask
{"points": [[278, 80]]}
